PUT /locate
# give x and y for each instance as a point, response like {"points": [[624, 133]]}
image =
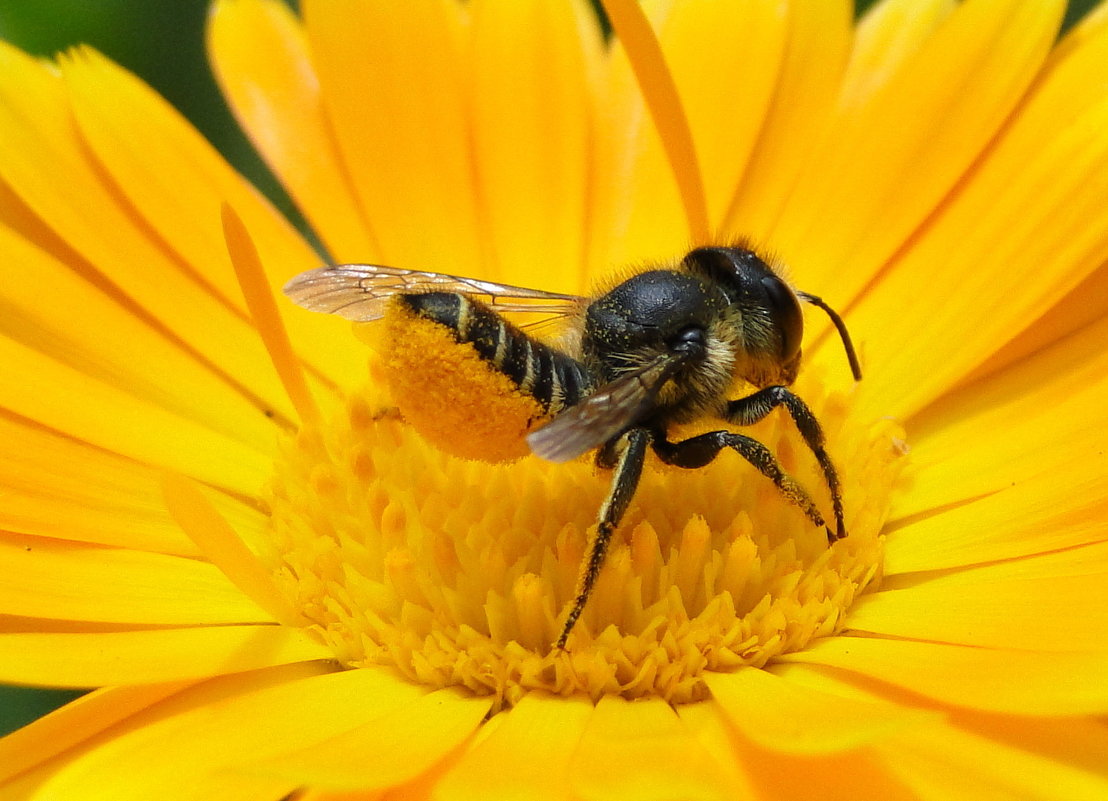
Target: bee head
{"points": [[765, 311]]}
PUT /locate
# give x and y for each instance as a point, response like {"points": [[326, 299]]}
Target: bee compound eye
{"points": [[784, 308]]}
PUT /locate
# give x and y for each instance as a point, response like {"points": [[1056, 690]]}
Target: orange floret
{"points": [[456, 400]]}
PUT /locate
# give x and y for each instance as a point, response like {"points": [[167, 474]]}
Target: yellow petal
{"points": [[783, 716], [109, 418], [395, 748], [1011, 462], [418, 150], [69, 217], [222, 724], [655, 83], [889, 159], [1070, 365], [1078, 744], [636, 210], [221, 544], [1079, 51], [49, 308], [1016, 682], [527, 755], [57, 487], [1083, 306], [816, 49], [1062, 506], [1082, 560], [1028, 228], [168, 171], [73, 723], [710, 725], [60, 488], [532, 121], [781, 776], [1068, 613], [67, 581], [36, 784], [726, 59], [843, 777], [144, 657], [262, 304], [887, 36], [639, 749], [260, 57], [1091, 25], [177, 182], [946, 761]]}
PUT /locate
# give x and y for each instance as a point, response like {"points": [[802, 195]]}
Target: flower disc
{"points": [[459, 572]]}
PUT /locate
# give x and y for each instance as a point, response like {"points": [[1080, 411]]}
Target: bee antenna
{"points": [[840, 326]]}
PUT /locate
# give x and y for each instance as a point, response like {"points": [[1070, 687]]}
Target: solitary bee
{"points": [[667, 345]]}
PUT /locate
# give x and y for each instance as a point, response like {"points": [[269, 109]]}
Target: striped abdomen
{"points": [[551, 377]]}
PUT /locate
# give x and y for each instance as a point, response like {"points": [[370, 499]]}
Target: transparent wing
{"points": [[359, 292], [603, 414]]}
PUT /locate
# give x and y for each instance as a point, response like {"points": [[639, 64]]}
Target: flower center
{"points": [[458, 572]]}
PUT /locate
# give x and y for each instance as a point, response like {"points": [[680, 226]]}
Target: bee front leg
{"points": [[753, 408], [629, 452], [700, 450]]}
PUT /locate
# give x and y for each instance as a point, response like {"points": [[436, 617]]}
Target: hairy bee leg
{"points": [[753, 408], [628, 470], [700, 450]]}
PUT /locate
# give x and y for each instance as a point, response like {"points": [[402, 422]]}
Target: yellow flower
{"points": [[278, 585]]}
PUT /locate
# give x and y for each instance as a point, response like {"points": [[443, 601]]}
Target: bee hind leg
{"points": [[700, 450], [749, 410], [628, 453]]}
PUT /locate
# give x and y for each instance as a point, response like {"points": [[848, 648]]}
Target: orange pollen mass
{"points": [[455, 399]]}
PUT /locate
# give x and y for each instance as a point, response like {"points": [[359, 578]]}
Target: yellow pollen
{"points": [[457, 572]]}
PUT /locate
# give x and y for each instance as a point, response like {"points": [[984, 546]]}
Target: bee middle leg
{"points": [[700, 450], [626, 455], [753, 408]]}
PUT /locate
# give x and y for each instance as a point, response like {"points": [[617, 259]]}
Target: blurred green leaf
{"points": [[20, 705]]}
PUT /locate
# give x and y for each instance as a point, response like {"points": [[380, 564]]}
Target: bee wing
{"points": [[359, 292], [603, 414]]}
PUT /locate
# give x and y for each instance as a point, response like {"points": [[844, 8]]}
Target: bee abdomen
{"points": [[554, 379]]}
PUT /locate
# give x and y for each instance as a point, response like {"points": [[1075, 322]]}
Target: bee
{"points": [[668, 345]]}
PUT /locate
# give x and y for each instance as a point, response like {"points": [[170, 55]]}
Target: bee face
{"points": [[764, 310]]}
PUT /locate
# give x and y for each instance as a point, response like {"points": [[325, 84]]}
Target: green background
{"points": [[163, 41]]}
